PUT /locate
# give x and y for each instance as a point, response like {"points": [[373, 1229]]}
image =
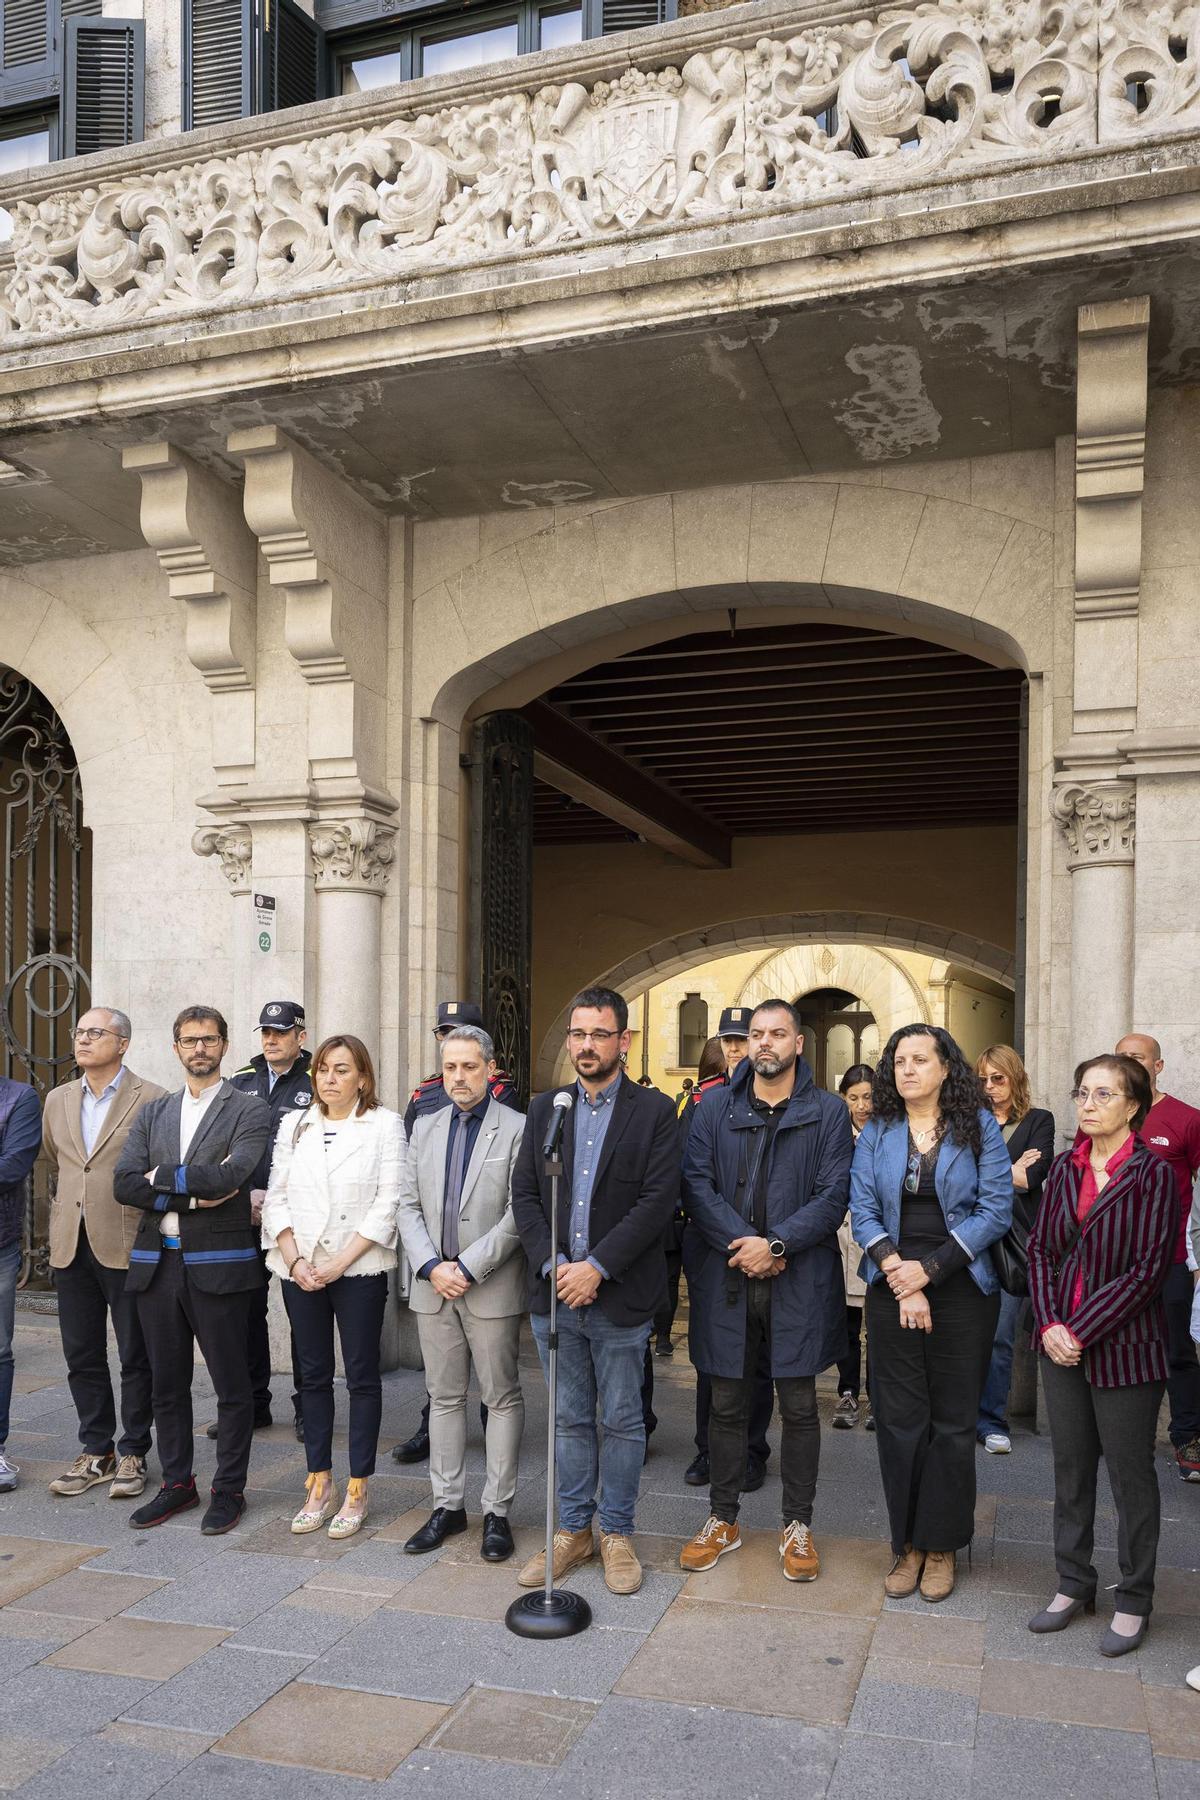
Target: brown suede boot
{"points": [[902, 1578], [571, 1548], [937, 1580]]}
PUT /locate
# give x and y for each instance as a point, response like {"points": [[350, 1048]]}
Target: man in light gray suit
{"points": [[468, 1292]]}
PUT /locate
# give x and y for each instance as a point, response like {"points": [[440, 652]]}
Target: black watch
{"points": [[776, 1246]]}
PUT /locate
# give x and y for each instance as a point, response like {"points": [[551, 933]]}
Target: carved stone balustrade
{"points": [[753, 114]]}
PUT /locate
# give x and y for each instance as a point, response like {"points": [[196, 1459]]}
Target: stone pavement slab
{"points": [[850, 1582], [440, 1775], [29, 1563], [933, 1714], [66, 1703], [216, 1692], [1070, 1696], [21, 1757], [929, 1637], [52, 1627], [793, 1665], [881, 1768], [162, 1553], [1174, 1720], [21, 1653], [328, 1728], [1042, 1761], [213, 1777], [137, 1647], [229, 1590], [295, 1631], [521, 1728], [85, 1594], [639, 1750], [1176, 1780], [103, 1771]]}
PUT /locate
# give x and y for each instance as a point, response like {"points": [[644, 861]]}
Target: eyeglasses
{"points": [[995, 1080], [198, 1043], [912, 1180], [90, 1034], [1102, 1096], [595, 1037]]}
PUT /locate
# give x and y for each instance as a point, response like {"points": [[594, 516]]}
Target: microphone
{"points": [[560, 1106]]}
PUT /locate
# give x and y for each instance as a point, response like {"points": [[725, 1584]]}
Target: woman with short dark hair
{"points": [[1099, 1252], [855, 1089], [930, 1190]]}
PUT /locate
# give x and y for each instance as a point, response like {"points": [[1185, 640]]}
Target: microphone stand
{"points": [[554, 1612]]}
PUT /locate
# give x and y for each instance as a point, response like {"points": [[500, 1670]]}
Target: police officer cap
{"points": [[281, 1015], [735, 1022], [457, 1012]]}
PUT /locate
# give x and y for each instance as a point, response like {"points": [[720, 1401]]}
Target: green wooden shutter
{"points": [[218, 40], [293, 60], [26, 35], [104, 84], [634, 15]]}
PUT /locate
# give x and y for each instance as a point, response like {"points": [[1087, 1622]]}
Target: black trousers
{"points": [[849, 1370], [1183, 1366], [1119, 1424], [925, 1388], [729, 1424], [87, 1293], [664, 1318], [258, 1351], [355, 1303], [175, 1316], [762, 1406]]}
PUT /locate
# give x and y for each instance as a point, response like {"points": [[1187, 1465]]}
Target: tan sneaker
{"points": [[130, 1479], [714, 1540], [87, 1471], [571, 1548], [937, 1581], [622, 1570], [902, 1578], [799, 1553]]}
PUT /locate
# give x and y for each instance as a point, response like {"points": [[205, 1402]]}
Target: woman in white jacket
{"points": [[329, 1230]]}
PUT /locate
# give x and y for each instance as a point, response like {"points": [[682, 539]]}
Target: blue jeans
{"points": [[599, 1370], [993, 1402], [10, 1268]]}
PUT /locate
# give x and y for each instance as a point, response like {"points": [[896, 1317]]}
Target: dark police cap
{"points": [[281, 1015], [735, 1021], [457, 1012]]}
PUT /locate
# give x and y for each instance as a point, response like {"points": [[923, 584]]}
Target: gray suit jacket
{"points": [[489, 1243]]}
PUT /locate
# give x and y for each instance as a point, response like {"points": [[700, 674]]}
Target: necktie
{"points": [[454, 1186]]}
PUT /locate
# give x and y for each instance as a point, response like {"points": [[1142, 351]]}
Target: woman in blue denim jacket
{"points": [[930, 1190]]}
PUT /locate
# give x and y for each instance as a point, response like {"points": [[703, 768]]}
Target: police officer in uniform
{"points": [[430, 1096], [734, 1032], [280, 1075]]}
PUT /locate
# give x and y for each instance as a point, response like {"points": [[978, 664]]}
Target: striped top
{"points": [[1122, 1255]]}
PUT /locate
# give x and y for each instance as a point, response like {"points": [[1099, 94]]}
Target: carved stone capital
{"points": [[1099, 822], [233, 844], [353, 855]]}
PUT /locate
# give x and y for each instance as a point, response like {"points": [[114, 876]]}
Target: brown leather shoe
{"points": [[622, 1570], [571, 1548], [799, 1553], [902, 1578], [937, 1581], [713, 1540]]}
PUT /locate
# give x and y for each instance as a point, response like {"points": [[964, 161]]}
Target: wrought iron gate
{"points": [[502, 886], [45, 924]]}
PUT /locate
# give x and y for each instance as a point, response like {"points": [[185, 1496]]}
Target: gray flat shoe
{"points": [[1114, 1643]]}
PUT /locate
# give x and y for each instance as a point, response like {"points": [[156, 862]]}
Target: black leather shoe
{"points": [[224, 1511], [414, 1449], [696, 1473], [299, 1426], [664, 1347], [756, 1474], [498, 1543], [179, 1498], [443, 1522]]}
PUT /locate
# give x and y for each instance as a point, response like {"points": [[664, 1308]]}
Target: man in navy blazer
{"points": [[188, 1164]]}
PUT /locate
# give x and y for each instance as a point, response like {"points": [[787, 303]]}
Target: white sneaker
{"points": [[1193, 1678], [8, 1473], [997, 1443]]}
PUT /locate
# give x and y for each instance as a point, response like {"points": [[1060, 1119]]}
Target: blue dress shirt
{"points": [[93, 1109]]}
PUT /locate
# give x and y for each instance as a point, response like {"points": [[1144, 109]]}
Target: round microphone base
{"points": [[560, 1615]]}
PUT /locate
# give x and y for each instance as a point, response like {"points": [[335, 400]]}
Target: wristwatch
{"points": [[776, 1246]]}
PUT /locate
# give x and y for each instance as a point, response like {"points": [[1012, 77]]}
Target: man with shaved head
{"points": [[1172, 1131]]}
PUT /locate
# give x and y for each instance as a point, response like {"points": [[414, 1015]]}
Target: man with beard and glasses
{"points": [[617, 1197], [188, 1164], [766, 1177]]}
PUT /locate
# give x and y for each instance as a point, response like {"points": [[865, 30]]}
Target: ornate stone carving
{"points": [[1110, 448], [840, 108], [234, 846], [351, 854], [1099, 822]]}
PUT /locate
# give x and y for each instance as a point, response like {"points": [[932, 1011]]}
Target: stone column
{"points": [[233, 846], [1098, 818], [351, 859]]}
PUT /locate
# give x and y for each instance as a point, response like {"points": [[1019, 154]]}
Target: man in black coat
{"points": [[280, 1075], [188, 1164], [766, 1179], [617, 1197]]}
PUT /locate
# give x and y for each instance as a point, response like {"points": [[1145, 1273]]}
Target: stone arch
{"points": [[878, 979], [673, 956]]}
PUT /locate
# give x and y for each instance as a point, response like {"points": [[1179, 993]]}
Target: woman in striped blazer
{"points": [[1099, 1252]]}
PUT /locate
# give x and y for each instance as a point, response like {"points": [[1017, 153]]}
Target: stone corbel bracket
{"points": [[1110, 448], [194, 524], [327, 550], [233, 845], [1099, 820]]}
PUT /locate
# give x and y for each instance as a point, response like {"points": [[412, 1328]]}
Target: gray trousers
{"points": [[1119, 1424], [451, 1340]]}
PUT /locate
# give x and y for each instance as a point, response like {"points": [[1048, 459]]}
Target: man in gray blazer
{"points": [[468, 1291]]}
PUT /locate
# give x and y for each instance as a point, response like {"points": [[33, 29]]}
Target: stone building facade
{"points": [[332, 433]]}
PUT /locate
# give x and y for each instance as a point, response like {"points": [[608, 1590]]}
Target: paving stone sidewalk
{"points": [[260, 1666]]}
